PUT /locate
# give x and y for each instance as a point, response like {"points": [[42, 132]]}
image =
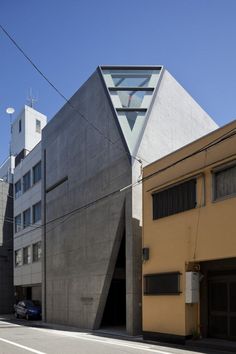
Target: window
{"points": [[26, 218], [225, 182], [131, 91], [162, 284], [36, 212], [19, 125], [37, 173], [17, 189], [37, 251], [18, 258], [26, 182], [26, 255], [17, 223], [175, 199], [38, 126]]}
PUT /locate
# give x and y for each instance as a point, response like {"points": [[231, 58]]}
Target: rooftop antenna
{"points": [[31, 99], [10, 111]]}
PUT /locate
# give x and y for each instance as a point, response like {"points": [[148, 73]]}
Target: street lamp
{"points": [[10, 111]]}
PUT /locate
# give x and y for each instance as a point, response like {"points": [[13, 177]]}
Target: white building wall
{"points": [[28, 274], [175, 120], [7, 169], [28, 137]]}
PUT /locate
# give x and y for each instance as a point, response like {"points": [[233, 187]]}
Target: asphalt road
{"points": [[17, 338]]}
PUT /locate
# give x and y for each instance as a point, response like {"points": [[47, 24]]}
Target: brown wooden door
{"points": [[222, 307]]}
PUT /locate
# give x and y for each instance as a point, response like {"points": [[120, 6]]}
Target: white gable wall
{"points": [[175, 120]]}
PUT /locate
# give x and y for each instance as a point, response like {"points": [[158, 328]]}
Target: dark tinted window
{"points": [[26, 218], [17, 189], [175, 199], [36, 212], [162, 284], [37, 173], [26, 181]]}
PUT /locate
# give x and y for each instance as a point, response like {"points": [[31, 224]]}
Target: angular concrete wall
{"points": [[6, 248], [81, 248]]}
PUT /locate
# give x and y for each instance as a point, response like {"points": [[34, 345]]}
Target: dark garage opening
{"points": [[115, 310]]}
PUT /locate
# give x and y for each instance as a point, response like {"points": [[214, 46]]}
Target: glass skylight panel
{"points": [[131, 92], [131, 117], [131, 78], [131, 99]]}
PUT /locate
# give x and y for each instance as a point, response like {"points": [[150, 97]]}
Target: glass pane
{"points": [[129, 78], [131, 117], [225, 182], [131, 99]]}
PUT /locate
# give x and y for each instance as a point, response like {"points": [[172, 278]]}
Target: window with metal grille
{"points": [[225, 182], [175, 199], [162, 284]]}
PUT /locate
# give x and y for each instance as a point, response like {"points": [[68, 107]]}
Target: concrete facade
{"points": [[6, 248], [86, 211], [200, 240]]}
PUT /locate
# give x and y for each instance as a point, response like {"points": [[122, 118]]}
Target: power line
{"points": [[62, 95], [232, 132], [227, 135]]}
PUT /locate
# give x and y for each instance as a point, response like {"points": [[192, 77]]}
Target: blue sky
{"points": [[193, 39]]}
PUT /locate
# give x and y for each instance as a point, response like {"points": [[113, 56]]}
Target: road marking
{"points": [[118, 342], [21, 346]]}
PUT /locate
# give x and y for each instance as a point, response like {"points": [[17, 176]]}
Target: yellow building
{"points": [[189, 240]]}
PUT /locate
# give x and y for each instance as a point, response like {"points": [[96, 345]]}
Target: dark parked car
{"points": [[28, 309]]}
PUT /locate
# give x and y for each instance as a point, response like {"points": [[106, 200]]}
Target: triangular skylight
{"points": [[131, 91]]}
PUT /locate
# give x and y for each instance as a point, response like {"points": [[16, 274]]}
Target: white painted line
{"points": [[109, 341], [21, 346]]}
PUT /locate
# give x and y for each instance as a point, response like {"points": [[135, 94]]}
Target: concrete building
{"points": [[189, 244], [120, 119], [23, 169], [6, 248]]}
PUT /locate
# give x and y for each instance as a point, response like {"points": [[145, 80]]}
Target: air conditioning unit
{"points": [[192, 287]]}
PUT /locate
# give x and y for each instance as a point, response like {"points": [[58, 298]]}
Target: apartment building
{"points": [[23, 169], [6, 248], [122, 118], [27, 219], [189, 243]]}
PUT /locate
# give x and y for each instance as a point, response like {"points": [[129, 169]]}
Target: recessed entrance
{"points": [[222, 307], [218, 299], [115, 310]]}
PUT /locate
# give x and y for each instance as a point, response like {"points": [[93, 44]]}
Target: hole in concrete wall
{"points": [[115, 309]]}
